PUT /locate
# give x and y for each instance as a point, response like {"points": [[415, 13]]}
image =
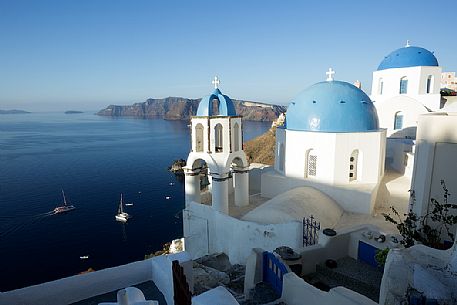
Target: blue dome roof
{"points": [[408, 57], [226, 107], [332, 106]]}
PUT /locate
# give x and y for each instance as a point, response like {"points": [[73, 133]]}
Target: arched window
{"points": [[199, 138], [404, 85], [429, 83], [218, 137], [353, 165], [398, 120], [380, 86], [236, 137], [311, 163], [281, 157]]}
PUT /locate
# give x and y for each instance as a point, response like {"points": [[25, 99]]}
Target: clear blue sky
{"points": [[86, 54]]}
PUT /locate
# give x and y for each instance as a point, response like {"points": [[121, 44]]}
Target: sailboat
{"points": [[121, 215], [65, 207]]}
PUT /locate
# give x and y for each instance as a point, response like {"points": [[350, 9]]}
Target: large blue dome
{"points": [[332, 106], [408, 57], [226, 107]]}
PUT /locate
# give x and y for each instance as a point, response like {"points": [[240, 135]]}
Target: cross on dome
{"points": [[408, 43], [330, 73], [216, 82]]}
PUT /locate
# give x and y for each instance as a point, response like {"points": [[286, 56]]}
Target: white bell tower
{"points": [[217, 151]]}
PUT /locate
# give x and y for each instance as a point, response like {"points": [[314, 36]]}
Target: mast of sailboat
{"points": [[64, 199], [120, 210]]}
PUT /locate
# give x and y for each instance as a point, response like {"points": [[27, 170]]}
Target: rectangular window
{"points": [[403, 86]]}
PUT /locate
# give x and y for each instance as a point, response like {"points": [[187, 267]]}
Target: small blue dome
{"points": [[226, 107], [332, 106], [408, 57]]}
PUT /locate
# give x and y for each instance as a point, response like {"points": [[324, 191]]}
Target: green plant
{"points": [[415, 228], [381, 256]]}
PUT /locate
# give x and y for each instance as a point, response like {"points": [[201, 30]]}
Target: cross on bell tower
{"points": [[216, 82], [330, 73]]}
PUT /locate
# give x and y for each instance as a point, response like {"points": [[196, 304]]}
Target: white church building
{"points": [[406, 85], [331, 141], [329, 163]]}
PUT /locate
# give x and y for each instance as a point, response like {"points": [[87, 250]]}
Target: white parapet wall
{"points": [[236, 237], [83, 286], [219, 295], [208, 231]]}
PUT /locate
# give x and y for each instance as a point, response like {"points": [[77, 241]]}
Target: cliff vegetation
{"points": [[262, 148]]}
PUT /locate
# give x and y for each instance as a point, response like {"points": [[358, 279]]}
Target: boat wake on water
{"points": [[16, 224]]}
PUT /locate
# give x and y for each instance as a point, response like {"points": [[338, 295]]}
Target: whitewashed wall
{"points": [[280, 140], [397, 156], [435, 159], [255, 176], [333, 152], [83, 286], [235, 237], [411, 109], [417, 82], [352, 197]]}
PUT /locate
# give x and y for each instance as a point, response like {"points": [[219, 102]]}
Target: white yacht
{"points": [[121, 215]]}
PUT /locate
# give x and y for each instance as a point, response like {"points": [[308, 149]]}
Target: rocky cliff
{"points": [[178, 108], [262, 148]]}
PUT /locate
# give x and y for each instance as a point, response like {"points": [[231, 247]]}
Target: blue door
{"points": [[367, 253], [273, 271]]}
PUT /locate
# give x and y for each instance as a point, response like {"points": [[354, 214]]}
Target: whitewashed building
{"points": [[331, 141], [405, 85], [448, 80]]}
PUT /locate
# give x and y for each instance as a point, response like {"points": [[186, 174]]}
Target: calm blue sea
{"points": [[93, 159]]}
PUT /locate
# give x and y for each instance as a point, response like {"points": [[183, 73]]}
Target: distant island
{"points": [[179, 108], [73, 112], [13, 111]]}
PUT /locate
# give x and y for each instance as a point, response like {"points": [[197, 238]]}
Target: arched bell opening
{"points": [[199, 138], [219, 138]]}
